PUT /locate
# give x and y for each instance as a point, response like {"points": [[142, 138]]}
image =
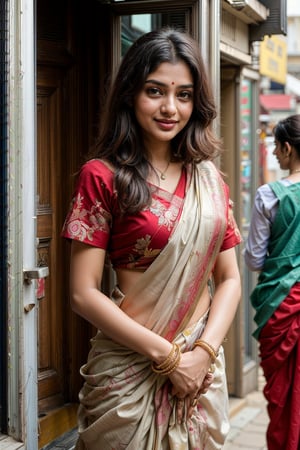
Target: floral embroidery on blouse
{"points": [[166, 216], [97, 219], [141, 248]]}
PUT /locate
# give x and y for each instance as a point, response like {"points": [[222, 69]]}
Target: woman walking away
{"points": [[273, 248], [153, 200]]}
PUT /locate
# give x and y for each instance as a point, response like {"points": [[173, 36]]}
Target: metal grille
{"points": [[276, 22], [3, 207]]}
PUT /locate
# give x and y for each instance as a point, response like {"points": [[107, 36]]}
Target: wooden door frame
{"points": [[116, 10]]}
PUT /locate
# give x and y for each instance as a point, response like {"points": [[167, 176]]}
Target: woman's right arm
{"points": [[87, 300]]}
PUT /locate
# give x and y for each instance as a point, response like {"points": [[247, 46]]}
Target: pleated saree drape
{"points": [[123, 404]]}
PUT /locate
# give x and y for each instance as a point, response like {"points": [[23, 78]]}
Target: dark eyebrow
{"points": [[159, 83]]}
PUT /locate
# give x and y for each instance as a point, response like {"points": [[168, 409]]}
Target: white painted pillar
{"points": [[22, 326]]}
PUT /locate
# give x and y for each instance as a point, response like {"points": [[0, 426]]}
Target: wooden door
{"points": [[72, 65], [52, 323], [57, 157]]}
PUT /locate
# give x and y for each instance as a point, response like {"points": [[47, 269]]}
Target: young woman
{"points": [[273, 248], [152, 198]]}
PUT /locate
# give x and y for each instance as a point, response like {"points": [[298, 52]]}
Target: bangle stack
{"points": [[208, 348], [171, 362]]}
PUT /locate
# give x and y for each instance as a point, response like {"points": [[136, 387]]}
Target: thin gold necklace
{"points": [[163, 172]]}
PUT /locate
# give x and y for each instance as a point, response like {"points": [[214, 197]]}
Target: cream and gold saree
{"points": [[123, 403]]}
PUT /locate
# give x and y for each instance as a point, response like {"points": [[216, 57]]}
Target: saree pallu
{"points": [[123, 404], [280, 360]]}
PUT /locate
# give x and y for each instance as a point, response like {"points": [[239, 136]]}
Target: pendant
{"points": [[162, 177]]}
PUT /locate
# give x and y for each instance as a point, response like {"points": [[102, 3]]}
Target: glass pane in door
{"points": [[135, 25]]}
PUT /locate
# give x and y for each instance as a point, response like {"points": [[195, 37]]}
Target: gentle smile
{"points": [[166, 121], [166, 125]]}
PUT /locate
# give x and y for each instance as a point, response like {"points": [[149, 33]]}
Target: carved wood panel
{"points": [[49, 145]]}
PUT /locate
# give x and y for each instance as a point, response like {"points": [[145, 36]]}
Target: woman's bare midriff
{"points": [[139, 310]]}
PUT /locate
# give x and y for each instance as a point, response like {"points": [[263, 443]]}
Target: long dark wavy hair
{"points": [[121, 141], [288, 130]]}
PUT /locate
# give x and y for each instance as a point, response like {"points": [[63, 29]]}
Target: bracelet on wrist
{"points": [[168, 360], [170, 363], [208, 348]]}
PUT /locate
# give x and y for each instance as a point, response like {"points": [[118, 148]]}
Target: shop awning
{"points": [[277, 102]]}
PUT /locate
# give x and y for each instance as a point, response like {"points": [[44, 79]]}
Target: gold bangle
{"points": [[170, 364], [169, 358], [174, 366], [208, 348]]}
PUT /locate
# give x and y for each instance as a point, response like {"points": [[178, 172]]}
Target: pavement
{"points": [[249, 421]]}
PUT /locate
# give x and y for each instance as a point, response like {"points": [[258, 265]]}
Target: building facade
{"points": [[293, 38], [55, 60]]}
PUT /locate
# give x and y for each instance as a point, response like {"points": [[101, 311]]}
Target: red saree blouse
{"points": [[132, 241]]}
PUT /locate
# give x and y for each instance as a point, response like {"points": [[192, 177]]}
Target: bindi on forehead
{"points": [[172, 82]]}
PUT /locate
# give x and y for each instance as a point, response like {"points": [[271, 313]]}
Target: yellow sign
{"points": [[273, 58]]}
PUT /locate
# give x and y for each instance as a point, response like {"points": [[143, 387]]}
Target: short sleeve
{"points": [[90, 215], [232, 235]]}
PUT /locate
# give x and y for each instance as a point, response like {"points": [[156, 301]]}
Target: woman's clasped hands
{"points": [[190, 379]]}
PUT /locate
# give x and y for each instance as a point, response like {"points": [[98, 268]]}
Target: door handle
{"points": [[35, 274]]}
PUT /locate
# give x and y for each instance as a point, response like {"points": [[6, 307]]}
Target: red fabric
{"points": [[133, 241], [280, 360]]}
